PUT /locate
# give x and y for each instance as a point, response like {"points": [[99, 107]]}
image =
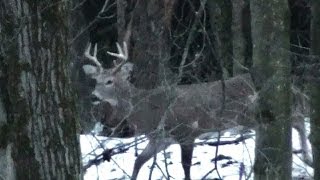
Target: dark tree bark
{"points": [[38, 121], [271, 74], [151, 21], [80, 32], [220, 13], [315, 87]]}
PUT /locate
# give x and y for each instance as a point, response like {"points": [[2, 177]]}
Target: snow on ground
{"points": [[239, 155]]}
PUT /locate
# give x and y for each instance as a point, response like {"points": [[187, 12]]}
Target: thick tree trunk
{"points": [[315, 88], [38, 128], [271, 73], [220, 13], [151, 25]]}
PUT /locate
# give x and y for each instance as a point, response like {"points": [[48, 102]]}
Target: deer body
{"points": [[179, 112]]}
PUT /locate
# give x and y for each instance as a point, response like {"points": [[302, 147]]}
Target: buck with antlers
{"points": [[180, 112]]}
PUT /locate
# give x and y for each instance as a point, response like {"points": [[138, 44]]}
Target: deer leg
{"points": [[154, 146], [186, 158]]}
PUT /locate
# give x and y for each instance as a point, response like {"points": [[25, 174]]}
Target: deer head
{"points": [[111, 84]]}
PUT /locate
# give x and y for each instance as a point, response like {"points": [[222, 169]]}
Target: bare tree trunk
{"points": [[38, 127], [271, 73], [150, 38], [315, 88], [220, 13]]}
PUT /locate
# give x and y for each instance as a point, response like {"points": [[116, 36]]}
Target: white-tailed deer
{"points": [[180, 112]]}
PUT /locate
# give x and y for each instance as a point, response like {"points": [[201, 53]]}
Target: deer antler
{"points": [[93, 57], [122, 54]]}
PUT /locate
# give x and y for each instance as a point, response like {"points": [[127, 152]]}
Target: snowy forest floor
{"points": [[233, 160]]}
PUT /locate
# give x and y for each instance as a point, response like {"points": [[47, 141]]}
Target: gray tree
{"points": [[271, 73], [38, 119]]}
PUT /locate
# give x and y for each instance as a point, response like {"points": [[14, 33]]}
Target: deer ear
{"points": [[90, 70], [128, 67]]}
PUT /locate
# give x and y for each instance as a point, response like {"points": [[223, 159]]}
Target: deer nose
{"points": [[94, 99]]}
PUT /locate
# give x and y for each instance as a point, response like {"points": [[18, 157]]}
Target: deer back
{"points": [[214, 106], [197, 107]]}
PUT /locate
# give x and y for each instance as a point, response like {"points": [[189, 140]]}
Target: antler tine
{"points": [[122, 54], [93, 57]]}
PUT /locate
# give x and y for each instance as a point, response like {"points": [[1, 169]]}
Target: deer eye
{"points": [[109, 82]]}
